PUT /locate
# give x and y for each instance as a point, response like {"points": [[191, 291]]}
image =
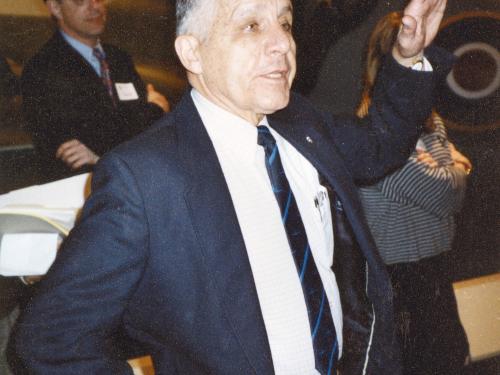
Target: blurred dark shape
{"points": [[9, 96], [317, 26], [9, 84]]}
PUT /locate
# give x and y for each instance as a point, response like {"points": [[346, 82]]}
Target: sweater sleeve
{"points": [[438, 190]]}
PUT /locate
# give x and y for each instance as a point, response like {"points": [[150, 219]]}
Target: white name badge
{"points": [[322, 203], [126, 91]]}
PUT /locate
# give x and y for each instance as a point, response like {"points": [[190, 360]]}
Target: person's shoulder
{"points": [[47, 55], [161, 137], [109, 47], [441, 59], [299, 109], [116, 53], [53, 46], [300, 103]]}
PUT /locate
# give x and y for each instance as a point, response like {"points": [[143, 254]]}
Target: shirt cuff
{"points": [[422, 65]]}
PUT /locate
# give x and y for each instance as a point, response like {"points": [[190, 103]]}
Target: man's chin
{"points": [[275, 103]]}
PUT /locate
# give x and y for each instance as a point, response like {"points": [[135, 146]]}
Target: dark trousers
{"points": [[6, 324], [432, 338]]}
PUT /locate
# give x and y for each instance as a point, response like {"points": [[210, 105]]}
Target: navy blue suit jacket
{"points": [[158, 252]]}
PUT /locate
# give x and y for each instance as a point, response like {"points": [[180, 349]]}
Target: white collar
{"points": [[227, 130]]}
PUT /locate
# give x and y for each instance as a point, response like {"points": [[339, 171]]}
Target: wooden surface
{"points": [[479, 308]]}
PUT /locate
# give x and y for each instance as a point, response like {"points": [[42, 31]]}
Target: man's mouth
{"points": [[277, 74], [96, 18]]}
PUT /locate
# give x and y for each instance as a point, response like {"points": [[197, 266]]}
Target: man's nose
{"points": [[280, 40]]}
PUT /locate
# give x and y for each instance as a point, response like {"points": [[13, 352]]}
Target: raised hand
{"points": [[426, 158], [460, 160], [420, 24]]}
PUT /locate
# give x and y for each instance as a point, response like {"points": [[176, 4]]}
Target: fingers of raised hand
{"points": [[410, 39], [421, 19], [426, 158]]}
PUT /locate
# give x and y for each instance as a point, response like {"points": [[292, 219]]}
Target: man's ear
{"points": [[187, 48], [54, 8]]}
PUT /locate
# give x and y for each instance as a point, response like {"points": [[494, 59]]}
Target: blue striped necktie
{"points": [[320, 317]]}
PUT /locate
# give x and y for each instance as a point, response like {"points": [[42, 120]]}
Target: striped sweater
{"points": [[411, 212]]}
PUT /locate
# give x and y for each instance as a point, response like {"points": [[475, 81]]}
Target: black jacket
{"points": [[64, 98]]}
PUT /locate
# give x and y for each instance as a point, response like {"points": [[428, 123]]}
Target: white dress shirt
{"points": [[277, 282]]}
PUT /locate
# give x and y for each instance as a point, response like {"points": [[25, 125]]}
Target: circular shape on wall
{"points": [[472, 59], [470, 98]]}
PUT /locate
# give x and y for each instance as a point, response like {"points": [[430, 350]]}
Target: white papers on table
{"points": [[33, 220], [62, 219], [27, 254], [66, 193]]}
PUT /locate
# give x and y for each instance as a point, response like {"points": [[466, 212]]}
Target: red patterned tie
{"points": [[105, 75]]}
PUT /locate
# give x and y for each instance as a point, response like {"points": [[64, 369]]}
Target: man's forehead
{"points": [[244, 6]]}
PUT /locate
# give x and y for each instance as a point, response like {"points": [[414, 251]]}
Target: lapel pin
{"points": [[308, 139]]}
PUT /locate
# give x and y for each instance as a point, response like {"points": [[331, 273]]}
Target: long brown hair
{"points": [[380, 44]]}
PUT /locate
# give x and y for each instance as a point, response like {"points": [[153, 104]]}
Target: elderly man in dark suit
{"points": [[228, 238], [83, 97]]}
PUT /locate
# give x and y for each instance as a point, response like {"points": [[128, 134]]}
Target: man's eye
{"points": [[252, 26], [286, 26]]}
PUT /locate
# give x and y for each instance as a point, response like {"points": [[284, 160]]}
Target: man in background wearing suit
{"points": [[82, 97], [228, 238]]}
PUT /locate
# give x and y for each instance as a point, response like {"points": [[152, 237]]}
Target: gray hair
{"points": [[195, 17]]}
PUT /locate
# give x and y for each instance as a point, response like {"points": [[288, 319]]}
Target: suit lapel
{"points": [[315, 144], [221, 242], [70, 59]]}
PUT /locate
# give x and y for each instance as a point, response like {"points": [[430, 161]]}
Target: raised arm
{"points": [[399, 94], [402, 100], [420, 24]]}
